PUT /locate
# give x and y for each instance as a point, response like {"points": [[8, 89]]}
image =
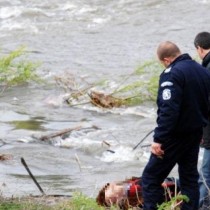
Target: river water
{"points": [[93, 39]]}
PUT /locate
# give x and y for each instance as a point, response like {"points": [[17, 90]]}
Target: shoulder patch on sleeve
{"points": [[166, 94], [166, 83], [167, 70]]}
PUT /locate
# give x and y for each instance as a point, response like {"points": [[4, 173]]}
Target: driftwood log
{"points": [[64, 131], [106, 101], [59, 133]]}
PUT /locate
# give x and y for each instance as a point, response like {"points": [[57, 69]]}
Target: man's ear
{"points": [[200, 49], [201, 52], [166, 62]]}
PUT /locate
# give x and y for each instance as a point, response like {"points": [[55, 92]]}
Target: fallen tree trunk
{"points": [[59, 133], [65, 131]]}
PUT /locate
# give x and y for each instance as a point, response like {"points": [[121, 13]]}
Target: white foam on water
{"points": [[86, 9], [67, 6], [137, 110], [100, 20], [84, 144], [204, 1], [8, 12], [11, 25], [140, 111], [25, 139], [55, 101], [124, 154]]}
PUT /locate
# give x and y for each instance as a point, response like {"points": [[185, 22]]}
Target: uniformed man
{"points": [[182, 101]]}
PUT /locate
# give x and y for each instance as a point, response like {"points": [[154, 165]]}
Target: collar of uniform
{"points": [[180, 58]]}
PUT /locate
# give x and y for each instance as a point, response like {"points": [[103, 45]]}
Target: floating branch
{"points": [[133, 89], [59, 133], [65, 131]]}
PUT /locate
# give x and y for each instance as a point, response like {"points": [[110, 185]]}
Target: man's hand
{"points": [[156, 149]]}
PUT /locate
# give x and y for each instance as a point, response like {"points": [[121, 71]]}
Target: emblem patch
{"points": [[167, 83], [167, 70], [166, 94]]}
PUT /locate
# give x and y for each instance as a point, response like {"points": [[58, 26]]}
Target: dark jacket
{"points": [[206, 130], [182, 99]]}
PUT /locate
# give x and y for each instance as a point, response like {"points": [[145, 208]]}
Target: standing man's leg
{"points": [[153, 176], [188, 175], [204, 180]]}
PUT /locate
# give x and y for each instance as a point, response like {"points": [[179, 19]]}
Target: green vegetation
{"points": [[32, 124], [19, 205], [15, 70], [133, 89], [77, 202], [174, 203], [142, 85]]}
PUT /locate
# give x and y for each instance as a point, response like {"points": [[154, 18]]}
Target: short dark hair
{"points": [[202, 40]]}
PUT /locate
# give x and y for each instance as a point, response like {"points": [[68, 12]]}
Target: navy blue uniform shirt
{"points": [[182, 99]]}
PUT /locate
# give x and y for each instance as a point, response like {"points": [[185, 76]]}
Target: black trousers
{"points": [[178, 150]]}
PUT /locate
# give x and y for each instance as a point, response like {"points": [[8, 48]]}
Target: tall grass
{"points": [[77, 202], [16, 69]]}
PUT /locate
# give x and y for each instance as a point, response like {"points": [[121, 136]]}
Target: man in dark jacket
{"points": [[184, 88], [202, 44]]}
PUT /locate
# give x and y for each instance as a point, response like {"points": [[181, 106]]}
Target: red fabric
{"points": [[134, 188]]}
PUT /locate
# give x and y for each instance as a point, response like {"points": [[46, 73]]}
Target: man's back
{"points": [[188, 105], [196, 92]]}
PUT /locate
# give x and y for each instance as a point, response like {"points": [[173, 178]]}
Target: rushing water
{"points": [[95, 39]]}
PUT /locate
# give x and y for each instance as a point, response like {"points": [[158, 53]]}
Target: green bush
{"points": [[15, 70], [174, 203], [142, 84]]}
